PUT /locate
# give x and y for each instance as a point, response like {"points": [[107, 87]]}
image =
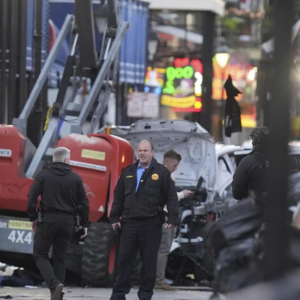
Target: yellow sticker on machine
{"points": [[24, 225], [93, 154]]}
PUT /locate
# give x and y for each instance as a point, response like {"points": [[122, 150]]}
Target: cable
{"points": [[69, 121]]}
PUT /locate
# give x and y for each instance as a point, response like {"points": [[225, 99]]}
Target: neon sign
{"points": [[183, 87], [160, 73], [176, 73]]}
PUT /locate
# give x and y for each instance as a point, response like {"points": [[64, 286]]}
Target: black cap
{"points": [[259, 135]]}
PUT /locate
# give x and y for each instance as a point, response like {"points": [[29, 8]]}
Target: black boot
{"points": [[56, 294]]}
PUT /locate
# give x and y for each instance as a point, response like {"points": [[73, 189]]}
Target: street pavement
{"points": [[99, 294]]}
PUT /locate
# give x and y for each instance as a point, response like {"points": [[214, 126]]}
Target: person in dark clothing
{"points": [[62, 197], [142, 191], [250, 174], [232, 109]]}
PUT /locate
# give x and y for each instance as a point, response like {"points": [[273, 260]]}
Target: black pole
{"points": [[38, 34], [22, 53], [3, 83], [276, 207], [14, 46], [35, 121], [124, 103], [222, 109], [208, 25]]}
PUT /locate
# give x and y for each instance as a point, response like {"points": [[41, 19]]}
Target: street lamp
{"points": [[152, 46], [252, 74], [222, 58], [153, 43]]}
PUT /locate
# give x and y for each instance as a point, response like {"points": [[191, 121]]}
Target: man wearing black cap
{"points": [[250, 175]]}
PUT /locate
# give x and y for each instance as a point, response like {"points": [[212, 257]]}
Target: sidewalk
{"points": [[100, 294]]}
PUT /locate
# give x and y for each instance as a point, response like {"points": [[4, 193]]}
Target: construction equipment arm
{"points": [[35, 192]]}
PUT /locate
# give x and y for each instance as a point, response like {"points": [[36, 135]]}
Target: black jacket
{"points": [[232, 109], [250, 175], [61, 191], [156, 189], [232, 117]]}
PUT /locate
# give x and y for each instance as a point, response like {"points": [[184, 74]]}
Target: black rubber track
{"points": [[95, 256]]}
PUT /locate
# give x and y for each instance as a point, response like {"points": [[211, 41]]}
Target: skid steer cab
{"points": [[99, 159]]}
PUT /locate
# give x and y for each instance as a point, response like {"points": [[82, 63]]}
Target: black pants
{"points": [[54, 231], [143, 235]]}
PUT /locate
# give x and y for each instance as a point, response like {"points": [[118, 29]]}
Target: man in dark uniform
{"points": [[250, 174], [142, 191], [62, 197]]}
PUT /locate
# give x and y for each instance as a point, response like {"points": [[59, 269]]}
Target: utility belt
{"points": [[79, 231], [42, 216]]}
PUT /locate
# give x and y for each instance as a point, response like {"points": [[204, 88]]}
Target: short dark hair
{"points": [[172, 155]]}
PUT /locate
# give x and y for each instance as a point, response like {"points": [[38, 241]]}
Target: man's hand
{"points": [[34, 226], [187, 193], [85, 233], [169, 226], [115, 225]]}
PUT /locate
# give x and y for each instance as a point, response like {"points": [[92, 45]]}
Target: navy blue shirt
{"points": [[139, 173]]}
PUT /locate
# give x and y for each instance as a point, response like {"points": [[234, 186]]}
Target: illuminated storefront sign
{"points": [[183, 87], [154, 80], [160, 73]]}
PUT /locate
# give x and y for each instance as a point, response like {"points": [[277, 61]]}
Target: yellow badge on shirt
{"points": [[130, 176], [172, 177], [155, 177]]}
